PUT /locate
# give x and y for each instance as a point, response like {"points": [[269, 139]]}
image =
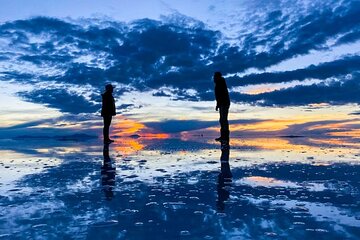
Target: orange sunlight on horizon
{"points": [[124, 128], [127, 127], [263, 135], [266, 126]]}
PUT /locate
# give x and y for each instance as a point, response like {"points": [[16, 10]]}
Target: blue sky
{"points": [[299, 55]]}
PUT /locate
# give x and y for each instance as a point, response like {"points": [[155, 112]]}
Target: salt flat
{"points": [[173, 189]]}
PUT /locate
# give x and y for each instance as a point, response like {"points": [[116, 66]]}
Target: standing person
{"points": [[107, 111], [223, 105]]}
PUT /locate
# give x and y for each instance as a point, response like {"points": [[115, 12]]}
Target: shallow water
{"points": [[177, 189]]}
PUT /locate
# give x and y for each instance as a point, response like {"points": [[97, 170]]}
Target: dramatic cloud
{"points": [[181, 53], [61, 99], [322, 71], [340, 91]]}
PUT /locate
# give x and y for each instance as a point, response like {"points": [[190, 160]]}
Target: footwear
{"points": [[108, 141], [219, 139]]}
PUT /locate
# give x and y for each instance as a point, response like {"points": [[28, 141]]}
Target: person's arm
{"points": [[113, 106], [219, 95], [216, 90], [107, 105]]}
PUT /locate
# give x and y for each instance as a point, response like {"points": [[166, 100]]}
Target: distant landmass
{"points": [[292, 136], [72, 137], [135, 136]]}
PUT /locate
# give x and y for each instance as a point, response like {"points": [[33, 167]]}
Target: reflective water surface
{"points": [[159, 188]]}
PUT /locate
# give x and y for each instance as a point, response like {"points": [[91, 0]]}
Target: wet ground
{"points": [[177, 189]]}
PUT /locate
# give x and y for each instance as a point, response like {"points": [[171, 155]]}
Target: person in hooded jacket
{"points": [[222, 105], [108, 110]]}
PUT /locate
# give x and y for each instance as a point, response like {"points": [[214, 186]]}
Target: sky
{"points": [[292, 67]]}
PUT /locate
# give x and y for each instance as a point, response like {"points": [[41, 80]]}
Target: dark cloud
{"points": [[125, 107], [179, 53], [61, 99], [335, 92], [28, 124], [336, 68], [161, 94], [315, 28], [39, 25], [349, 37], [20, 77], [286, 36], [41, 59]]}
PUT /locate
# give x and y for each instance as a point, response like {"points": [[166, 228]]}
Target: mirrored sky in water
{"points": [[178, 189]]}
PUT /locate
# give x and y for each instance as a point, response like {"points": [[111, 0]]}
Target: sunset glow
{"points": [[127, 127]]}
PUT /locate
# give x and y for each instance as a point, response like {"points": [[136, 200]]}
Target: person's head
{"points": [[217, 76], [109, 88]]}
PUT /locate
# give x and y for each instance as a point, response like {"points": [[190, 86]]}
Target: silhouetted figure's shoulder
{"points": [[221, 92]]}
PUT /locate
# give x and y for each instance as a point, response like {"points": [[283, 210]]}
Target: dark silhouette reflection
{"points": [[108, 172], [224, 180], [222, 105]]}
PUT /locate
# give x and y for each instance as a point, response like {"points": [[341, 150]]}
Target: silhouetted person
{"points": [[223, 105], [107, 174], [224, 180], [107, 111]]}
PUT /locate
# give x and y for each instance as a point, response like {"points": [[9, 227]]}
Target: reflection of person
{"points": [[107, 174], [224, 180], [223, 105], [107, 111]]}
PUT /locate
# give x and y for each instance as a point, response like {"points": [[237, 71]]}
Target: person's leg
{"points": [[224, 123], [105, 129], [220, 121], [107, 122]]}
